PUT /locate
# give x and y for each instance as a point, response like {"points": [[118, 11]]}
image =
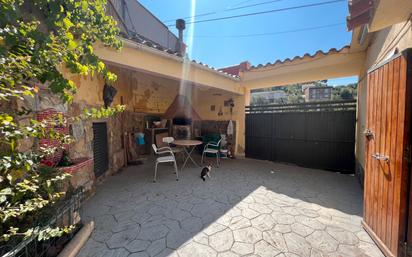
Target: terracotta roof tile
{"points": [[305, 56]]}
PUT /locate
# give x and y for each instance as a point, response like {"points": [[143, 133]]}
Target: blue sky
{"points": [[218, 43]]}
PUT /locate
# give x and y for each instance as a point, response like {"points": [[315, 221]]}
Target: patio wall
{"points": [[142, 94], [203, 100], [383, 45]]}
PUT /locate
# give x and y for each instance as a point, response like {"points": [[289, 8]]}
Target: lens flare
{"points": [[185, 88]]}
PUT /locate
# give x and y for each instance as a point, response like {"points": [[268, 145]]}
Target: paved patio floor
{"points": [[244, 210]]}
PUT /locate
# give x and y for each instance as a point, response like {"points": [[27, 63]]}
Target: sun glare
{"points": [[185, 88]]}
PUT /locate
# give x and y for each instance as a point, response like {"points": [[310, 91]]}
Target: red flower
{"points": [[47, 163]]}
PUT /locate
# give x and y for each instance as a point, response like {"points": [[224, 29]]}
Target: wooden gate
{"points": [[388, 153], [318, 135]]}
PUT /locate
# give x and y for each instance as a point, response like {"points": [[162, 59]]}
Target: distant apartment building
{"points": [[317, 94], [269, 97]]}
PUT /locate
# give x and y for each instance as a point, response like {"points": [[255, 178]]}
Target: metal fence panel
{"points": [[67, 214], [318, 135]]}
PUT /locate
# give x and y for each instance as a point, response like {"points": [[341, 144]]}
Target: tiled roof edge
{"points": [[305, 56], [148, 43]]}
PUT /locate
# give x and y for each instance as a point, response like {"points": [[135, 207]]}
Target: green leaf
{"points": [[33, 48]]}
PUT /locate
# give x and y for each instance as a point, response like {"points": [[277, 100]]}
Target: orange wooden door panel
{"points": [[386, 168]]}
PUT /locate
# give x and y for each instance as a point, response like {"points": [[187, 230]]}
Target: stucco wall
{"points": [[383, 45], [360, 128], [334, 64], [384, 42], [140, 92]]}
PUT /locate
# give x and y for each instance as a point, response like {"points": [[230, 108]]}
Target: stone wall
{"points": [[44, 101], [115, 144], [133, 121], [83, 133], [82, 174]]}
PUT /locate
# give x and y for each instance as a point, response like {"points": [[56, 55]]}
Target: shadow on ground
{"points": [[248, 208]]}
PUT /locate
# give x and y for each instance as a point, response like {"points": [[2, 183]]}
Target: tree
{"points": [[38, 40], [258, 100], [345, 94], [294, 93]]}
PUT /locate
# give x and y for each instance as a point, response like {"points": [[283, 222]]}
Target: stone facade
{"points": [[81, 151], [83, 133], [133, 121]]}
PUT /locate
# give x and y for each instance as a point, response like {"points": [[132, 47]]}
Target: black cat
{"points": [[206, 172]]}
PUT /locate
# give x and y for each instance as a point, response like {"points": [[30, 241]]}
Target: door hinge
{"points": [[407, 154], [405, 250]]}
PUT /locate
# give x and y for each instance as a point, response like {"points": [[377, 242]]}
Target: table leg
{"points": [[189, 156]]}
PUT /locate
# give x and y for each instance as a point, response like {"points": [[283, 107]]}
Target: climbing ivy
{"points": [[40, 41]]}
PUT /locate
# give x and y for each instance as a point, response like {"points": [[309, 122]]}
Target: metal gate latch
{"points": [[380, 157]]}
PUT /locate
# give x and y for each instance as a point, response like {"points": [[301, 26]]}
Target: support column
{"points": [[240, 131]]}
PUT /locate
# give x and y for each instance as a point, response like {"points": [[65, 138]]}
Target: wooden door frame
{"points": [[408, 233], [407, 247]]}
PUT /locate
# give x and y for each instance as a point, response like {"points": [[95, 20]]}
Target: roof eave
{"points": [[180, 59], [303, 57]]}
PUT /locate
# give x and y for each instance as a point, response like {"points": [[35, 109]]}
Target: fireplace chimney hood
{"points": [[181, 108]]}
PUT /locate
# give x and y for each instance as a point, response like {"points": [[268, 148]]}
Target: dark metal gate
{"points": [[318, 135], [100, 148]]}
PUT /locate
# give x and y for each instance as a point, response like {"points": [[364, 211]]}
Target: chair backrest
{"points": [[168, 140], [213, 143], [154, 148], [218, 142]]}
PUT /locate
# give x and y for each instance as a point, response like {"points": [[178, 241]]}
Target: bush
{"points": [[38, 39]]}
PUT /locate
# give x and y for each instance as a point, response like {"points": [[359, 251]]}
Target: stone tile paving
{"points": [[244, 210]]}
